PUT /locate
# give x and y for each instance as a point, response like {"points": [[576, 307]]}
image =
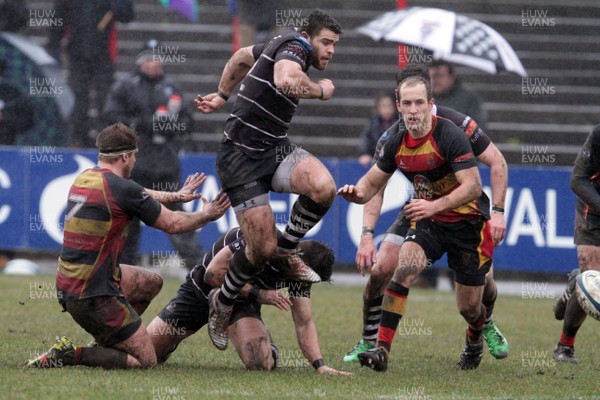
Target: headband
{"points": [[117, 151]]}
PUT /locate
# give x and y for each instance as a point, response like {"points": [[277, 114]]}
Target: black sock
{"points": [[305, 214], [371, 318], [574, 317], [489, 301], [105, 357], [239, 273]]}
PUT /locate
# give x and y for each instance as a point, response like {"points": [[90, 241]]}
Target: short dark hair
{"points": [[115, 139], [442, 63], [414, 73], [319, 257], [412, 70], [319, 19]]}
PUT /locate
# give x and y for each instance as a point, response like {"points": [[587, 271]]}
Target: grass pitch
{"points": [[422, 365]]}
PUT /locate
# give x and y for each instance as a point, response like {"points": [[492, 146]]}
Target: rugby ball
{"points": [[588, 292], [21, 266]]}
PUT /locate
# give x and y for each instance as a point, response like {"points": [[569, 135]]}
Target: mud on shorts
{"points": [[109, 319], [188, 310], [249, 180], [468, 243]]}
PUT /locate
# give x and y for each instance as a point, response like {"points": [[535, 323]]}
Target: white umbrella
{"points": [[449, 36]]}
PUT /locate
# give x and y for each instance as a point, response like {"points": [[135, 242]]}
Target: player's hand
{"points": [[351, 193], [332, 371], [498, 228], [328, 88], [216, 208], [366, 253], [274, 298], [209, 103], [418, 209], [187, 191]]}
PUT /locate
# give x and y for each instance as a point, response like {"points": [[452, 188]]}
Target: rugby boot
{"points": [[361, 346], [496, 341], [375, 358], [565, 354], [471, 355], [218, 320], [54, 358]]}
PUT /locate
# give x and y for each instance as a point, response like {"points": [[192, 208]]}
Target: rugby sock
{"points": [[490, 293], [305, 214], [574, 317], [371, 318], [104, 357], [394, 305], [239, 273], [566, 340], [475, 328]]}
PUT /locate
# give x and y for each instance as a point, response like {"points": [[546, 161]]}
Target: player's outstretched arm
{"points": [[235, 70], [367, 187], [306, 334], [186, 194], [180, 221]]}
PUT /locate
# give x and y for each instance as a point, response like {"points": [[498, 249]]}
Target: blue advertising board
{"points": [[34, 182]]}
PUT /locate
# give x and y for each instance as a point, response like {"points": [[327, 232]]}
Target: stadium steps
{"points": [[563, 58]]}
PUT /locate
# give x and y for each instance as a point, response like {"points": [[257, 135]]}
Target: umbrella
{"points": [[448, 36], [30, 69], [188, 8]]}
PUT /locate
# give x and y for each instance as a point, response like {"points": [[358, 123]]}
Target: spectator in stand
{"points": [[385, 116], [89, 27], [152, 104], [16, 112], [448, 91]]}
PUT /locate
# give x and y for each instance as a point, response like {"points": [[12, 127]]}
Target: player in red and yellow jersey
{"points": [[104, 297], [448, 214]]}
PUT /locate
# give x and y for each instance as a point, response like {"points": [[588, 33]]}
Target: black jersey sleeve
{"points": [[294, 50], [134, 199], [477, 137], [387, 154], [455, 146], [587, 166], [257, 50]]}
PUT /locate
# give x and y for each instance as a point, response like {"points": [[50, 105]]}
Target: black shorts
{"points": [[189, 309], [109, 319], [587, 230], [468, 243], [400, 226], [244, 177]]}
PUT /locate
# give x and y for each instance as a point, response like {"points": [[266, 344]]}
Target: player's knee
{"points": [[471, 313], [255, 354], [258, 255], [155, 284]]}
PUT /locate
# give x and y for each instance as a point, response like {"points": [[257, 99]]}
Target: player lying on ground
{"points": [[104, 298], [382, 265], [188, 311]]}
